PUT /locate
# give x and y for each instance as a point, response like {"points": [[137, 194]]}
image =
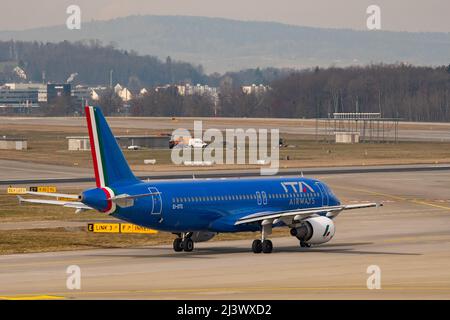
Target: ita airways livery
{"points": [[197, 210]]}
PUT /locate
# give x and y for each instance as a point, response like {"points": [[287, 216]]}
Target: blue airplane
{"points": [[197, 210]]}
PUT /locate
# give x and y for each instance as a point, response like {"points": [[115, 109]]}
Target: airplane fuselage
{"points": [[206, 204]]}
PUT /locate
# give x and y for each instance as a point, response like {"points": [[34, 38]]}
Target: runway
{"points": [[21, 173], [409, 239], [408, 131]]}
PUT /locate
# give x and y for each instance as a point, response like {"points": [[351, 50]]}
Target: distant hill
{"points": [[223, 45], [90, 63]]}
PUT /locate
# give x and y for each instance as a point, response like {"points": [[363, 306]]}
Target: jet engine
{"points": [[315, 230], [202, 236]]}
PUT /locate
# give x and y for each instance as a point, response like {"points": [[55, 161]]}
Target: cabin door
{"points": [[156, 203]]}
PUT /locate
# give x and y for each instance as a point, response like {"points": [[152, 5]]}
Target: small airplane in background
{"points": [[197, 210]]}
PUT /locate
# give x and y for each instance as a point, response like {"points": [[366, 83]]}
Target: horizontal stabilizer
{"points": [[54, 195], [75, 205]]}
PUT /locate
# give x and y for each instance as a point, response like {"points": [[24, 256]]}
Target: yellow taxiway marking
{"points": [[32, 298], [415, 201], [430, 204]]}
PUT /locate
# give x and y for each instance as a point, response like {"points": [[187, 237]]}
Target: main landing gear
{"points": [[183, 243], [264, 245], [259, 246]]}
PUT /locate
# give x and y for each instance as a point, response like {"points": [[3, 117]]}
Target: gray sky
{"points": [[398, 15]]}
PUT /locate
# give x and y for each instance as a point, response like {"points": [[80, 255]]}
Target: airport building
{"points": [[10, 143], [24, 97], [81, 143], [55, 91]]}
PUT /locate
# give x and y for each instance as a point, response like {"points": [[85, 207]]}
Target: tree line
{"points": [[413, 93], [396, 91]]}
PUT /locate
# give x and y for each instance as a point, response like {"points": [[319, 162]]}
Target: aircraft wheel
{"points": [[267, 246], [188, 245], [178, 245], [257, 246], [304, 245]]}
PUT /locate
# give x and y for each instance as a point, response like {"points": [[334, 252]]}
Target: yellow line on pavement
{"points": [[430, 204], [420, 202], [32, 298]]}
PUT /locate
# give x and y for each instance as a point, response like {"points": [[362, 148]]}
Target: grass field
{"points": [[50, 147]]}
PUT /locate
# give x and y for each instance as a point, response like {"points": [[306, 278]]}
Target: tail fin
{"points": [[110, 166]]}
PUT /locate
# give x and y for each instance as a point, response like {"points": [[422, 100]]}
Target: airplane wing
{"points": [[301, 214], [68, 204]]}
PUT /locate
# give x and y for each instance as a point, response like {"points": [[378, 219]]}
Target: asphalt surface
{"points": [[408, 239], [417, 131], [21, 173]]}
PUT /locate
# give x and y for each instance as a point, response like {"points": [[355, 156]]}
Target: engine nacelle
{"points": [[202, 236], [315, 230]]}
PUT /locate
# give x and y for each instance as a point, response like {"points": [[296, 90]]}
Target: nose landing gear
{"points": [[304, 244]]}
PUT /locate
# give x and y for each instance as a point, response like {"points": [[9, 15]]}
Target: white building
{"points": [[123, 93], [255, 89], [7, 143]]}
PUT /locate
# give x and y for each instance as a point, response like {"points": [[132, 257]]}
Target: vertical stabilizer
{"points": [[110, 165]]}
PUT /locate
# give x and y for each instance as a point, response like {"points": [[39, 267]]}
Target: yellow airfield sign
{"points": [[46, 189], [67, 199], [16, 191], [132, 228], [104, 227], [125, 228]]}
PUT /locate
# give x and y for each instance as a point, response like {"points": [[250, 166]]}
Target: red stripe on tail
{"points": [[91, 139], [109, 202]]}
